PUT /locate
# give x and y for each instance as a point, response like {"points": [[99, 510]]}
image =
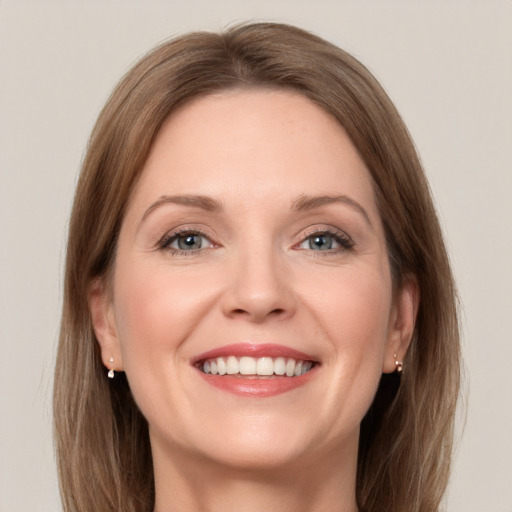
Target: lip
{"points": [[250, 386], [254, 350]]}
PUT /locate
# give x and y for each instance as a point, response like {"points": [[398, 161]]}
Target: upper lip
{"points": [[254, 350]]}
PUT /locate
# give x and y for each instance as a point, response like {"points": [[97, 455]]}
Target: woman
{"points": [[255, 261]]}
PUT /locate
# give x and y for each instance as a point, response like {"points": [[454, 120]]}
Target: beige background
{"points": [[448, 67]]}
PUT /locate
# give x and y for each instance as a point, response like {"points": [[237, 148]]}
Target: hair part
{"points": [[102, 440]]}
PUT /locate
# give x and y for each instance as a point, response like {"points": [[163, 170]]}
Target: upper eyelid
{"points": [[183, 232], [302, 235], [331, 230], [177, 234], [186, 229], [163, 243], [346, 241]]}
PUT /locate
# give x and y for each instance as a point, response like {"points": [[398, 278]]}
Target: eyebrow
{"points": [[203, 202], [302, 203], [306, 202]]}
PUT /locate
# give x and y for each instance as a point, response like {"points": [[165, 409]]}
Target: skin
{"points": [[257, 279]]}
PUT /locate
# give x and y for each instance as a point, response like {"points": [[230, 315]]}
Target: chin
{"points": [[263, 444]]}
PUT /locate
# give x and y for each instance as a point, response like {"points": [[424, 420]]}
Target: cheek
{"points": [[352, 319], [353, 309], [156, 310], [350, 309]]}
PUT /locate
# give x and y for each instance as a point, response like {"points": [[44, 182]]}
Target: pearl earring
{"points": [[399, 366], [111, 372]]}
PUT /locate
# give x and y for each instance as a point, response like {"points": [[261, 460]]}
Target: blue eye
{"points": [[320, 242], [188, 242], [184, 242], [326, 241]]}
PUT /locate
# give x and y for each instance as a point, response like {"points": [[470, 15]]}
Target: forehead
{"points": [[254, 144]]}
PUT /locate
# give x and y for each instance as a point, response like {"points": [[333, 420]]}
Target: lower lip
{"points": [[257, 387]]}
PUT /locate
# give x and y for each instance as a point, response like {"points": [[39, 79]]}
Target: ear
{"points": [[401, 323], [103, 321]]}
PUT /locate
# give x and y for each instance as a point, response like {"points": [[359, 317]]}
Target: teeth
{"points": [[279, 366], [221, 366], [307, 365], [265, 366], [231, 365], [262, 366], [290, 367], [247, 365]]}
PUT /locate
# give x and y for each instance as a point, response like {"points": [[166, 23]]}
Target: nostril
{"points": [[276, 311], [245, 301]]}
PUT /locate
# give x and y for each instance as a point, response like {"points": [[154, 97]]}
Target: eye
{"points": [[191, 241], [185, 242], [327, 241]]}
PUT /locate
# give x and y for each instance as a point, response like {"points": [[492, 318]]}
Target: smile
{"points": [[256, 370], [255, 366]]}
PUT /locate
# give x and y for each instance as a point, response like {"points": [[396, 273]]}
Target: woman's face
{"points": [[251, 246]]}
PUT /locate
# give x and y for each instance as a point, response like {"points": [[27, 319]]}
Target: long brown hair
{"points": [[102, 441]]}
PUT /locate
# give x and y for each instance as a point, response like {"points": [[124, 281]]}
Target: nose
{"points": [[258, 288]]}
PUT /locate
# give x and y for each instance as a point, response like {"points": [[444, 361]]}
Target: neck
{"points": [[185, 482]]}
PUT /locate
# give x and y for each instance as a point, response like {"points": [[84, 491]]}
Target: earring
{"points": [[111, 372], [399, 366]]}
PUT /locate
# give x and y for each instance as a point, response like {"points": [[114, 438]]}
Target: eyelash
{"points": [[165, 242], [345, 241]]}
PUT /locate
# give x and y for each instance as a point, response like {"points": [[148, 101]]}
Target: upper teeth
{"points": [[255, 366]]}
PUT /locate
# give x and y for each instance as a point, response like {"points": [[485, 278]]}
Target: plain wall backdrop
{"points": [[446, 64]]}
